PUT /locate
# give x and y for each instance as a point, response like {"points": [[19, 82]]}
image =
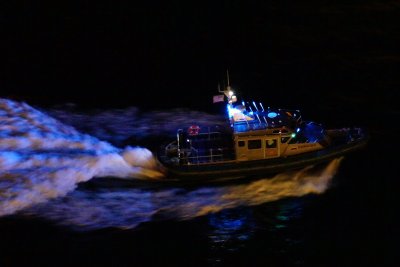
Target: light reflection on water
{"points": [[127, 207], [229, 227], [272, 226]]}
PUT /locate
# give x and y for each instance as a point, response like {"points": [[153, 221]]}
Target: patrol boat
{"points": [[257, 141]]}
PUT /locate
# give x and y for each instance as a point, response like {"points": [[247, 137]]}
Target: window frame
{"points": [[273, 146]]}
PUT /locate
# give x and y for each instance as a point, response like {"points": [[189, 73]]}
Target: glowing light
{"points": [[297, 130], [254, 104], [230, 93], [262, 106], [293, 135], [272, 115], [232, 111]]}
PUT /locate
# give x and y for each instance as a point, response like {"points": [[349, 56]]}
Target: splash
{"points": [[128, 207], [42, 158]]}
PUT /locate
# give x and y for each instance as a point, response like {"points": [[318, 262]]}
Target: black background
{"points": [[174, 53]]}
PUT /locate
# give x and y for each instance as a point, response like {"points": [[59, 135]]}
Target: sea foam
{"points": [[42, 158]]}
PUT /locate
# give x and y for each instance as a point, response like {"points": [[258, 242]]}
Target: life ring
{"points": [[194, 130]]}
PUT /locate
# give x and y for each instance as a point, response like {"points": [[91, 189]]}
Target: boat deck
{"points": [[209, 148]]}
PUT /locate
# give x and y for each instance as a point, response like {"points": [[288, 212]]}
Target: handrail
{"points": [[197, 159]]}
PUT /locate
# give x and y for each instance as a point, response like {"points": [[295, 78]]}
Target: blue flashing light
{"points": [[232, 111], [297, 130], [251, 112], [272, 115], [261, 105], [243, 104], [254, 104]]}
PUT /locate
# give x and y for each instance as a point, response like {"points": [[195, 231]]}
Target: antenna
{"points": [[254, 104], [262, 106], [227, 75]]}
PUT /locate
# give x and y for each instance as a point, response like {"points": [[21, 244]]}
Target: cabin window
{"points": [[241, 143], [254, 144], [271, 143], [285, 139]]}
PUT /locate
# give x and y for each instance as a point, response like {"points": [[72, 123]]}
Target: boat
{"points": [[257, 141]]}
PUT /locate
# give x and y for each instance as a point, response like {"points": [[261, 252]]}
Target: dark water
{"points": [[334, 61]]}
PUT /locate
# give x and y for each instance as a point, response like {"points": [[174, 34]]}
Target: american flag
{"points": [[218, 98]]}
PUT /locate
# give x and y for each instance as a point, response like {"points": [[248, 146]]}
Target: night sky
{"points": [[120, 54]]}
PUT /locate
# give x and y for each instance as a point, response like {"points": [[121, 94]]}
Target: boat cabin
{"points": [[218, 146], [272, 143], [254, 140], [255, 133], [257, 145]]}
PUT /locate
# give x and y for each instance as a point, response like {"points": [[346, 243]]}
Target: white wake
{"points": [[41, 158]]}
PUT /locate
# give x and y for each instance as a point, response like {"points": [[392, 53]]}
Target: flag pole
{"points": [[227, 75]]}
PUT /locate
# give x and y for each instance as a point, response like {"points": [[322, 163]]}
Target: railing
{"points": [[202, 159], [207, 136]]}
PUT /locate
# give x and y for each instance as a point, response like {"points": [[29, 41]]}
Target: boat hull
{"points": [[231, 170]]}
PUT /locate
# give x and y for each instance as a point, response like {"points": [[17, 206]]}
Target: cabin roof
{"points": [[270, 120]]}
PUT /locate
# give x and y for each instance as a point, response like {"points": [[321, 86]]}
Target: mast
{"points": [[227, 76]]}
